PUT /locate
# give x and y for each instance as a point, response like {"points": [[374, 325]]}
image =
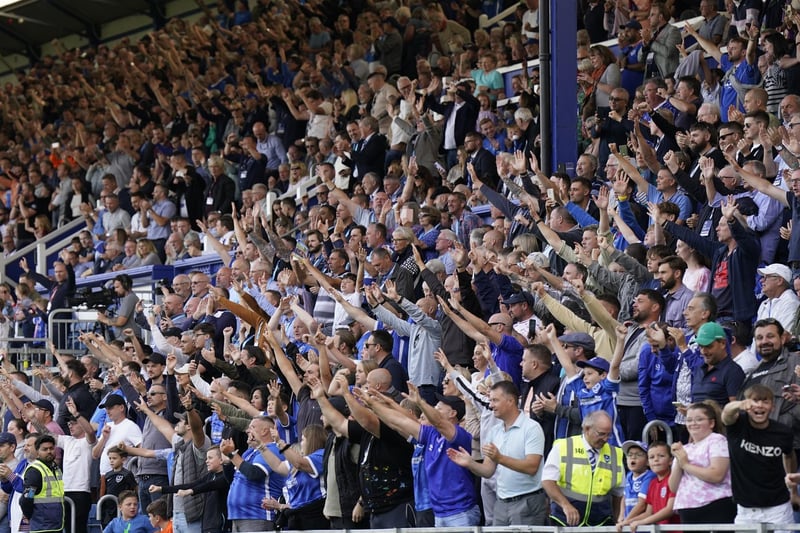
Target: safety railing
{"points": [[485, 22], [510, 71], [100, 502], [655, 528], [51, 243]]}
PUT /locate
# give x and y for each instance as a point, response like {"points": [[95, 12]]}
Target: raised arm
{"points": [[710, 47], [452, 310], [555, 346], [286, 367]]}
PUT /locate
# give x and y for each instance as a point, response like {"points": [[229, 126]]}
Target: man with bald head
{"points": [[380, 380], [223, 278], [493, 240], [790, 104], [182, 285], [270, 146], [423, 331], [498, 333], [172, 311]]}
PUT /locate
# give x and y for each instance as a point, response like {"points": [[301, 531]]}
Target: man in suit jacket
{"points": [[367, 154], [60, 288], [389, 270], [482, 161], [660, 40], [222, 190], [460, 114]]}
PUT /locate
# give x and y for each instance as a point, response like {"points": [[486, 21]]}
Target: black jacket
{"points": [[466, 116]]}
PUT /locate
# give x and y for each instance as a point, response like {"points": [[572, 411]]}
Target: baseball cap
{"points": [[598, 363], [156, 359], [777, 269], [7, 438], [517, 298], [456, 403], [628, 444], [184, 369], [710, 332], [112, 400], [584, 340], [47, 405], [172, 332], [634, 24]]}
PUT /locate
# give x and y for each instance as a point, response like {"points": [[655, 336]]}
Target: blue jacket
{"points": [[656, 376], [742, 264]]}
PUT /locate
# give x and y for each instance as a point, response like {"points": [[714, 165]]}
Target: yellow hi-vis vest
{"points": [[585, 487], [48, 504]]}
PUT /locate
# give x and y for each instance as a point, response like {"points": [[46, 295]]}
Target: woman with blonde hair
{"points": [[147, 252], [345, 109]]}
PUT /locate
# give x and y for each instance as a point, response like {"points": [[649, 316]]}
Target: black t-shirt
{"points": [[757, 471], [384, 467]]}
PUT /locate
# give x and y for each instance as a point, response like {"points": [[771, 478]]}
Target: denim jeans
{"points": [[145, 497], [180, 525], [470, 517]]}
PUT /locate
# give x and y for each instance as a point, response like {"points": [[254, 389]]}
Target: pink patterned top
{"points": [[692, 491]]}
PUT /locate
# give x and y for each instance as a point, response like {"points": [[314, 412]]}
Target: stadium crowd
{"points": [[372, 353]]}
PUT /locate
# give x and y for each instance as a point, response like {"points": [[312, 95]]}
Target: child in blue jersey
{"points": [[129, 519], [600, 380], [637, 479], [277, 404], [303, 492], [423, 508]]}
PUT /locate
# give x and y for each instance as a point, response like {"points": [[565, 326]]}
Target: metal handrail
{"points": [[484, 21], [71, 503], [660, 424], [41, 248], [99, 506], [655, 528]]}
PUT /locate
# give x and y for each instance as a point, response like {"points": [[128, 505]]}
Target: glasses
{"points": [[182, 282], [369, 344], [155, 393], [726, 135], [404, 88], [396, 239], [749, 124], [615, 99], [696, 420], [601, 434]]}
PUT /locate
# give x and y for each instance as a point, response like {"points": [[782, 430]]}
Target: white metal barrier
{"points": [[739, 528]]}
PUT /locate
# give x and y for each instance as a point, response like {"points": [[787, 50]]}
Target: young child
{"points": [[158, 514], [129, 521], [659, 498], [348, 288], [637, 479], [116, 480], [600, 380]]}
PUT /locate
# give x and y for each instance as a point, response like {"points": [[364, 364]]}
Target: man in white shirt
{"points": [[119, 428], [782, 302]]}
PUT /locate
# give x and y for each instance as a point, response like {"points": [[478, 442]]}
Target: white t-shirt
{"points": [[340, 316], [77, 463], [127, 432]]}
